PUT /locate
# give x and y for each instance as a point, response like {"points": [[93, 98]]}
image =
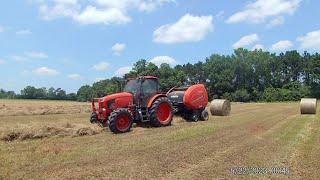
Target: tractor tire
{"points": [[161, 112], [204, 115], [93, 118], [120, 121], [195, 116]]}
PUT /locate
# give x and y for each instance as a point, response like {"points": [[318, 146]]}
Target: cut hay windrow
{"points": [[46, 132], [220, 107], [308, 106]]}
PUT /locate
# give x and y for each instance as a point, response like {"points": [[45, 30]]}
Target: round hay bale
{"points": [[308, 106], [220, 107]]}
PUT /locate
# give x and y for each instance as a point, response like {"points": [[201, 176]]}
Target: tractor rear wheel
{"points": [[120, 121], [161, 112]]}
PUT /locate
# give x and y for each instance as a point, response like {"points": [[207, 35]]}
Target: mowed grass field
{"points": [[54, 140]]}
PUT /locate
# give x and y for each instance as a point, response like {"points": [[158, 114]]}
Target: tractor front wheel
{"points": [[120, 121], [161, 112]]}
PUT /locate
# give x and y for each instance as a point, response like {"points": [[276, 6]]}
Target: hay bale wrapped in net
{"points": [[220, 107], [308, 106]]}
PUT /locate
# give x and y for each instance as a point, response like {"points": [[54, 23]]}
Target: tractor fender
{"points": [[153, 98]]}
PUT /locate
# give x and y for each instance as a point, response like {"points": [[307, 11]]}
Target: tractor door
{"points": [[149, 88], [133, 86]]}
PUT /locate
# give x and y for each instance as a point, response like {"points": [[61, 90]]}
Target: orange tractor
{"points": [[142, 102]]}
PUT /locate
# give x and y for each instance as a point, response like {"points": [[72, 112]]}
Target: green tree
{"points": [[29, 92], [85, 93]]}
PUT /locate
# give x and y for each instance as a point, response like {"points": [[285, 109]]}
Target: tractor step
{"points": [[144, 114]]}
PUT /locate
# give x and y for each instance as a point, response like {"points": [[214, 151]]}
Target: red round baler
{"points": [[190, 101]]}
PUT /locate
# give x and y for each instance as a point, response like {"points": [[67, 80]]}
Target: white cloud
{"points": [[24, 32], [188, 28], [72, 2], [260, 11], [58, 9], [1, 29], [118, 48], [258, 47], [118, 4], [99, 79], [311, 41], [102, 66], [123, 70], [276, 21], [46, 71], [2, 61], [96, 11], [75, 76], [158, 60], [149, 6], [36, 55], [282, 45], [141, 5], [92, 15], [29, 55], [246, 41], [18, 58]]}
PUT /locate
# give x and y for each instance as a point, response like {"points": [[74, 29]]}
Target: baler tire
{"points": [[125, 121], [195, 116], [204, 115], [154, 119]]}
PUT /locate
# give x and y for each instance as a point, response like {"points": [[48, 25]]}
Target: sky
{"points": [[69, 43]]}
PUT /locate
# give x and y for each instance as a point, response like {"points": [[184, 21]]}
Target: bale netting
{"points": [[220, 107], [308, 106]]}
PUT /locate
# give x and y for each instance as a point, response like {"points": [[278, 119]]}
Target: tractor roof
{"points": [[145, 77], [149, 77]]}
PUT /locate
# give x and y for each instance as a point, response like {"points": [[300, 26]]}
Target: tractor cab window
{"points": [[150, 87], [132, 86]]}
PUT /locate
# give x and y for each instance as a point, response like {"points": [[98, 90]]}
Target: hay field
{"points": [[54, 140]]}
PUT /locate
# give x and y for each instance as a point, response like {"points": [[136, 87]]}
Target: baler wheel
{"points": [[161, 112], [195, 116], [120, 121], [204, 115]]}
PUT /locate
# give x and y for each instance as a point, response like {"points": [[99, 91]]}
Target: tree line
{"points": [[242, 76], [31, 92]]}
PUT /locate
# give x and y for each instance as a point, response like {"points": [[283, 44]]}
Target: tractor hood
{"points": [[122, 95], [109, 103]]}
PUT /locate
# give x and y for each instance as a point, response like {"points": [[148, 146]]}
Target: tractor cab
{"points": [[142, 89]]}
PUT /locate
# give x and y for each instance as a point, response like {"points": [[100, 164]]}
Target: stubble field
{"points": [[54, 139]]}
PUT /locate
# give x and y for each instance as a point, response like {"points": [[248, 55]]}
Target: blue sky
{"points": [[69, 43]]}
